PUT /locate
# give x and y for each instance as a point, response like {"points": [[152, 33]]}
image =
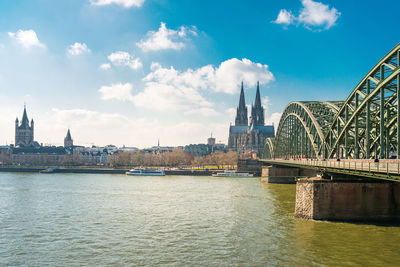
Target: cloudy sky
{"points": [[132, 71]]}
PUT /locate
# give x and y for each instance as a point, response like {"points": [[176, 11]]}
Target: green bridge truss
{"points": [[363, 126]]}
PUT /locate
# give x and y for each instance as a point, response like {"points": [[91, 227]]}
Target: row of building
{"points": [[26, 151]]}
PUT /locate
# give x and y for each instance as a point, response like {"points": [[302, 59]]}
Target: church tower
{"points": [[68, 142], [257, 110], [24, 131], [241, 113]]}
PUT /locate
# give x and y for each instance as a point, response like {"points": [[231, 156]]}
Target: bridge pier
{"points": [[323, 199], [284, 175]]}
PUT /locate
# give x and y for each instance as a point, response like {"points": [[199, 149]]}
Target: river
{"points": [[101, 219]]}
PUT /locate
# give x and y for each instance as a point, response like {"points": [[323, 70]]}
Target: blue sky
{"points": [[132, 71]]}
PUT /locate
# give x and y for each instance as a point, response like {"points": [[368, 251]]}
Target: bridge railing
{"points": [[381, 167]]}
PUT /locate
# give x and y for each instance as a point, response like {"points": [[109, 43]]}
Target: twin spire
{"points": [[257, 110]]}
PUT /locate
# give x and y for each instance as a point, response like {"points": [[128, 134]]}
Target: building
{"points": [[68, 142], [28, 152], [211, 141], [24, 133], [200, 150], [48, 155], [245, 137]]}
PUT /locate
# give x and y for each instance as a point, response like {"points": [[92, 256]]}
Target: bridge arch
{"points": [[268, 151], [299, 132], [365, 125]]}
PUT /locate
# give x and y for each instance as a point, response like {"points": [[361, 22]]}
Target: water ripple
{"points": [[75, 220]]}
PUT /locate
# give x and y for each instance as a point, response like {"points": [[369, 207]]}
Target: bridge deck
{"points": [[386, 170]]}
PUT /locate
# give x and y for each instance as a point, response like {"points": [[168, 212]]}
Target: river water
{"points": [[101, 219]]}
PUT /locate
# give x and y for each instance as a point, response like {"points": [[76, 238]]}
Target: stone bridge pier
{"points": [[326, 199], [276, 174]]}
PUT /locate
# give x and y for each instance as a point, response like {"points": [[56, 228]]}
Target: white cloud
{"points": [[274, 119], [121, 58], [105, 66], [26, 38], [206, 112], [265, 101], [284, 17], [117, 129], [232, 72], [166, 97], [124, 3], [119, 91], [312, 15], [231, 112], [77, 49], [166, 38], [168, 89], [318, 14], [83, 123], [165, 90]]}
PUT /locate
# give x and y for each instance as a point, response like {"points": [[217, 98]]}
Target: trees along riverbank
{"points": [[176, 158]]}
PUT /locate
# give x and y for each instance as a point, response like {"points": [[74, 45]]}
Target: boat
{"points": [[48, 170], [145, 172], [228, 173]]}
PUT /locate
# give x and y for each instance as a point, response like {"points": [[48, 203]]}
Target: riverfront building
{"points": [[26, 151], [245, 137]]}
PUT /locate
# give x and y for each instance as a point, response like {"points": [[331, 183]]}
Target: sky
{"points": [[130, 72]]}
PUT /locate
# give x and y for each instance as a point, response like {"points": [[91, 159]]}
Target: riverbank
{"points": [[104, 171]]}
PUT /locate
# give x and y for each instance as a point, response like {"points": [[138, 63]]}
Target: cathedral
{"points": [[24, 131], [245, 137]]}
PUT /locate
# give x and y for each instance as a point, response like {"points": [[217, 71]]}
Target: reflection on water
{"points": [[69, 219]]}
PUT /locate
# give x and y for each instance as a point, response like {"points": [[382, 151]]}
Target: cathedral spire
{"points": [[257, 110], [257, 102], [241, 112], [242, 103]]}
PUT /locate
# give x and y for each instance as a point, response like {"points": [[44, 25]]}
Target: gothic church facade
{"points": [[245, 137]]}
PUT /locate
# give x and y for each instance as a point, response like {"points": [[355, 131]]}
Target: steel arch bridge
{"points": [[364, 126]]}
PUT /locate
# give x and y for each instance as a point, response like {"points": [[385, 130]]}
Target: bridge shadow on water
{"points": [[374, 223]]}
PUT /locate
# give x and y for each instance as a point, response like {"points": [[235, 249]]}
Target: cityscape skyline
{"points": [[24, 136], [132, 71]]}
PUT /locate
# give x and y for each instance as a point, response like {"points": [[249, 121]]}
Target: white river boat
{"points": [[145, 172], [228, 173]]}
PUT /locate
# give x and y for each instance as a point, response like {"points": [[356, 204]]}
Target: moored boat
{"points": [[145, 172], [48, 170], [228, 173]]}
